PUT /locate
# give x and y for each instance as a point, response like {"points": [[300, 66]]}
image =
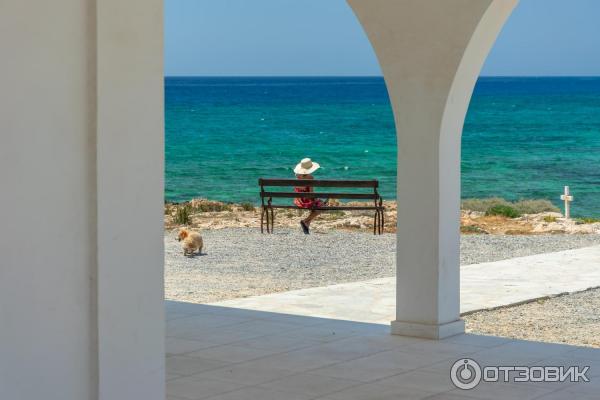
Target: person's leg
{"points": [[305, 223], [311, 216]]}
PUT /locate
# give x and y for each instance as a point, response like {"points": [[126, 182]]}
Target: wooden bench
{"points": [[267, 217]]}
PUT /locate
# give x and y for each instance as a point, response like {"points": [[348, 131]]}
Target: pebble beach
{"points": [[240, 262], [571, 319]]}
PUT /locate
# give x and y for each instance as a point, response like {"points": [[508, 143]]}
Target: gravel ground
{"points": [[571, 318], [239, 262], [475, 249]]}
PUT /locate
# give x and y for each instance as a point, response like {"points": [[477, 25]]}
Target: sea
{"points": [[523, 137]]}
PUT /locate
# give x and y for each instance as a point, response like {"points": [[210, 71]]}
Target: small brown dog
{"points": [[191, 241]]}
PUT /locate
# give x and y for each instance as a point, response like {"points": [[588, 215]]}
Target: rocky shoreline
{"points": [[206, 215]]}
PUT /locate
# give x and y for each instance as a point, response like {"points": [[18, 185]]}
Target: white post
{"points": [[567, 199]]}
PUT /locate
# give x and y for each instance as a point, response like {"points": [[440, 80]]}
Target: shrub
{"points": [[212, 207], [588, 220], [503, 210], [483, 205], [534, 206], [549, 219], [471, 229], [247, 206], [336, 214], [183, 215], [521, 206], [516, 232]]}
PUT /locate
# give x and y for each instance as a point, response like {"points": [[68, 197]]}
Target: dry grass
{"points": [[534, 206], [588, 220], [247, 206], [504, 210], [521, 207], [183, 215]]}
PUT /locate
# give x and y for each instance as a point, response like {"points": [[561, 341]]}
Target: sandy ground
{"points": [[206, 214]]}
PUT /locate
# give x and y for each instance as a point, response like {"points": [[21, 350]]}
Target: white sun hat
{"points": [[306, 166]]}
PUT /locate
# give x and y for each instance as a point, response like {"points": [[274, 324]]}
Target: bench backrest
{"points": [[327, 183]]}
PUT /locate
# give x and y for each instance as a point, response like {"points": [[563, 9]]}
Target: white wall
{"points": [[130, 199], [81, 197], [47, 200]]}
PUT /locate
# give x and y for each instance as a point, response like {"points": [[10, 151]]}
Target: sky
{"points": [[323, 37]]}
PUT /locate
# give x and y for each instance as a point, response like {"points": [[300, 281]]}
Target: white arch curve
{"points": [[430, 52]]}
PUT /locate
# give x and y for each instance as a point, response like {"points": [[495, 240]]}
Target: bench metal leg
{"points": [[376, 222], [268, 222], [267, 219]]}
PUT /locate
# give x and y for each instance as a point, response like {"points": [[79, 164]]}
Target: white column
{"points": [[430, 52], [130, 152]]}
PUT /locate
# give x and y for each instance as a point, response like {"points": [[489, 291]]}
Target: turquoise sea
{"points": [[523, 137]]}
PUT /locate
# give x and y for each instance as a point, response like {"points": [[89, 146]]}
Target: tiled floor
{"points": [[221, 353]]}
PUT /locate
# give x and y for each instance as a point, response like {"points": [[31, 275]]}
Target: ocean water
{"points": [[523, 137]]}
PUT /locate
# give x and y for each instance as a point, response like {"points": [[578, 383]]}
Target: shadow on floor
{"points": [[223, 353]]}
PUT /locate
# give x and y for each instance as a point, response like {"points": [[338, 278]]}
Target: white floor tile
{"points": [[180, 346], [373, 391], [250, 373], [257, 393], [184, 365], [194, 388], [503, 391], [233, 354], [421, 380], [308, 384]]}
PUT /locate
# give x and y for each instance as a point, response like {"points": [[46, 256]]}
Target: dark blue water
{"points": [[523, 137]]}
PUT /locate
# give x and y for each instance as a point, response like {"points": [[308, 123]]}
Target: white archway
{"points": [[95, 146], [431, 53]]}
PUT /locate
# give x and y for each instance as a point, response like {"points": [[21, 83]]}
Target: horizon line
{"points": [[368, 76]]}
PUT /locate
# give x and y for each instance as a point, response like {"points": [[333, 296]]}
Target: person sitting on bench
{"points": [[304, 170], [301, 190]]}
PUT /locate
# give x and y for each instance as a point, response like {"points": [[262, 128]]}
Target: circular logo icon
{"points": [[465, 373]]}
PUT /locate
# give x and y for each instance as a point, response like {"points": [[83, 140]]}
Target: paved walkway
{"points": [[483, 286], [220, 353]]}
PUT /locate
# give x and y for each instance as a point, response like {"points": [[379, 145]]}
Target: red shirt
{"points": [[303, 202]]}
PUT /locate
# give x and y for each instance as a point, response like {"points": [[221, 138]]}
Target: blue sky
{"points": [[323, 37]]}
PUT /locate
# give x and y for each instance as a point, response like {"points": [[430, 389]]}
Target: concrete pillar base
{"points": [[439, 331]]}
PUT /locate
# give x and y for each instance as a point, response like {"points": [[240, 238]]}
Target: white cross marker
{"points": [[567, 199]]}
